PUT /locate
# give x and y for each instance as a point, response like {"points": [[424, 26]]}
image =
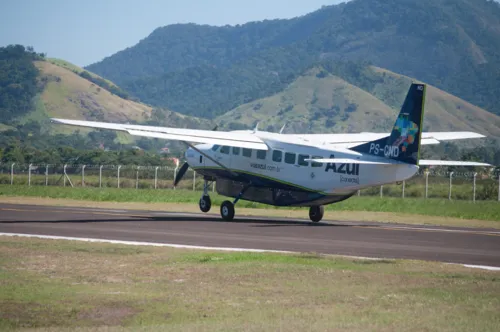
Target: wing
{"points": [[240, 139], [350, 140]]}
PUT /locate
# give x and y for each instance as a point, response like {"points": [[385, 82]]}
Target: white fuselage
{"points": [[284, 163]]}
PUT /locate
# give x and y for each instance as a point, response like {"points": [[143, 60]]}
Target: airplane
{"points": [[300, 170]]}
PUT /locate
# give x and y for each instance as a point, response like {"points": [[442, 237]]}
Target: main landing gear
{"points": [[316, 213], [227, 207]]}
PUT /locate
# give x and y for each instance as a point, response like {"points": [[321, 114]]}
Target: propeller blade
{"points": [[181, 173]]}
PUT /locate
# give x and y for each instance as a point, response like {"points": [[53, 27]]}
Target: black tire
{"points": [[316, 213], [205, 203], [227, 211]]}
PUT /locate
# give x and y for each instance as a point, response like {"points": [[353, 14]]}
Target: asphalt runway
{"points": [[433, 243]]}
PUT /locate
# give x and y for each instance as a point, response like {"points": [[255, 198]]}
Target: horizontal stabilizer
{"points": [[450, 163], [452, 135], [354, 161]]}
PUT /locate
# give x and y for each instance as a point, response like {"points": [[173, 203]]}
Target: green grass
{"points": [[480, 210], [62, 285]]}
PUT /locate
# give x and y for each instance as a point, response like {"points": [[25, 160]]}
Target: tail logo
{"points": [[407, 130]]}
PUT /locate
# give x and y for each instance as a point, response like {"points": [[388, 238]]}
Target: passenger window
{"points": [[215, 147], [290, 158], [315, 164], [236, 151], [247, 153], [261, 154], [277, 156], [225, 150], [302, 161]]}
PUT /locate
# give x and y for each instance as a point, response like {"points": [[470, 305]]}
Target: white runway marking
{"points": [[442, 230], [490, 268], [171, 245], [138, 243]]}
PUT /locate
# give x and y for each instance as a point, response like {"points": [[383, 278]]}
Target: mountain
{"points": [[330, 99], [33, 89], [206, 71]]}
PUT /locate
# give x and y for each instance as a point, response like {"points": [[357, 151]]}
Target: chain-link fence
{"points": [[98, 176], [446, 185]]}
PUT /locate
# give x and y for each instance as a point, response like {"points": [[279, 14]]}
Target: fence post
{"points": [[64, 171], [382, 191], [29, 175], [156, 176], [194, 180], [449, 192], [403, 192], [474, 189], [359, 193], [118, 177], [100, 176], [83, 175], [47, 175], [137, 178], [12, 174], [213, 186], [499, 187], [426, 184]]}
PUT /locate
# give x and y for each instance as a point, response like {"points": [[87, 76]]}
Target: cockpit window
{"points": [[224, 149], [215, 147]]}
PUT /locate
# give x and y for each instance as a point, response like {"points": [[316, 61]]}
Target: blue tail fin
{"points": [[404, 142]]}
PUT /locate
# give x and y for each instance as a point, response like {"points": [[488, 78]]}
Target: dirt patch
{"points": [[109, 315]]}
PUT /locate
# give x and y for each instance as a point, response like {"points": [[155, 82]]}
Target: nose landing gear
{"points": [[205, 202]]}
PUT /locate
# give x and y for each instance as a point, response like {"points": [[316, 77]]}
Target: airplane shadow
{"points": [[186, 219]]}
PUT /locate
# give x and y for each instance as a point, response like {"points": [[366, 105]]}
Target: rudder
{"points": [[403, 144]]}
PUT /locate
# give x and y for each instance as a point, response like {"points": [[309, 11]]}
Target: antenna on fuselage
{"points": [[256, 129], [282, 128]]}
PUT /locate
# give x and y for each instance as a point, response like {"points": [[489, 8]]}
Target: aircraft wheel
{"points": [[227, 210], [316, 213], [205, 203]]}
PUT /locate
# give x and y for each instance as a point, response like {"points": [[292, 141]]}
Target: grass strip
{"points": [[479, 210], [62, 285]]}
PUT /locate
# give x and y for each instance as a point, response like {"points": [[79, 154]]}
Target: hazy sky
{"points": [[84, 32]]}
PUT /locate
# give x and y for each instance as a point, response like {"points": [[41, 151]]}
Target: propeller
{"points": [[181, 173]]}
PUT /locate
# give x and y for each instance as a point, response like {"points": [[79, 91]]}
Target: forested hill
{"points": [[18, 80], [205, 70], [34, 88]]}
